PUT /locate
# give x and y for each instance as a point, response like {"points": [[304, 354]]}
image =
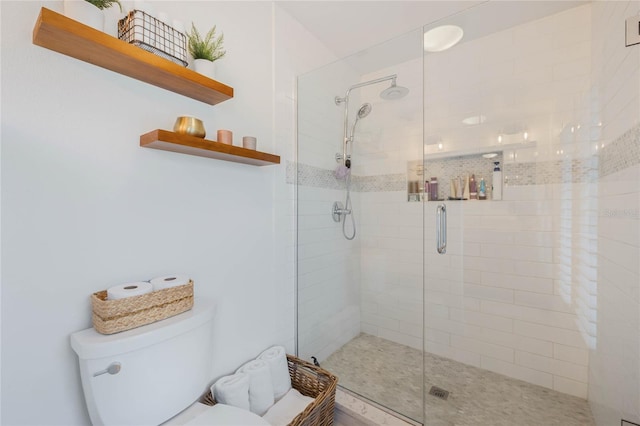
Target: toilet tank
{"points": [[163, 368]]}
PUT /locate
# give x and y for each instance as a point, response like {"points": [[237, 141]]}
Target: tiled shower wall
{"points": [[327, 264], [614, 367], [512, 293]]}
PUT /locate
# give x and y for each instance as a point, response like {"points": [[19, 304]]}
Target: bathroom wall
{"points": [[84, 207], [328, 269], [614, 361], [293, 56], [516, 311], [391, 229], [512, 293]]}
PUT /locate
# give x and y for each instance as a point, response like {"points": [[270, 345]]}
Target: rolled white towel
{"points": [[285, 410], [276, 357], [260, 385], [221, 414], [232, 390]]}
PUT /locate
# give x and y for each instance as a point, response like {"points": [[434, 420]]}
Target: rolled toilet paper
{"points": [[168, 281], [129, 290]]}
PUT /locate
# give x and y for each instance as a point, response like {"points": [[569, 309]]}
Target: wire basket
{"points": [[154, 36]]}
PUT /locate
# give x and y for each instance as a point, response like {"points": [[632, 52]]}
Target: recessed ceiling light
{"points": [[475, 119], [442, 38]]}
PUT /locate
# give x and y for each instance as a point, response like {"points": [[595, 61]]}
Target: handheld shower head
{"points": [[364, 110]]}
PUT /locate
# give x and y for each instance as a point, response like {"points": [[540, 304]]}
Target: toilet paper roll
{"points": [[129, 290], [168, 281]]}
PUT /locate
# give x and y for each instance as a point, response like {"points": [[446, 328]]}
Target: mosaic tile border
{"points": [[312, 176], [380, 183], [622, 153], [581, 170], [323, 178]]}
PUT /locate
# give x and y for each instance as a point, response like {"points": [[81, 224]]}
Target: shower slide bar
{"points": [[441, 228]]}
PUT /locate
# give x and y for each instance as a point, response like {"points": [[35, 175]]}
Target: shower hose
{"points": [[349, 209]]}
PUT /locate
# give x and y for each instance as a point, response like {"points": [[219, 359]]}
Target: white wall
{"points": [[614, 368], [84, 207]]}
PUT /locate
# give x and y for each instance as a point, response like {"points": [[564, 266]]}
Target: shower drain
{"points": [[439, 392]]}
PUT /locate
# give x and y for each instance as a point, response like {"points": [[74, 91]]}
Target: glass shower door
{"points": [[507, 316], [360, 311]]}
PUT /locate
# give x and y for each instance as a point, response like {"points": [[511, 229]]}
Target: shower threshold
{"points": [[356, 410]]}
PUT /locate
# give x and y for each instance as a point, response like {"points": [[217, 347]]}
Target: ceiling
{"points": [[347, 27]]}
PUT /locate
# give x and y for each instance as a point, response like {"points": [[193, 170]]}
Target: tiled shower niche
{"points": [[446, 169]]}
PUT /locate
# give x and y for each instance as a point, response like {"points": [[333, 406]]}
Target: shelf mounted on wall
{"points": [[185, 144], [64, 35]]}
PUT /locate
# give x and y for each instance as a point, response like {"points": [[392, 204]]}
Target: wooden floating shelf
{"points": [[64, 35], [185, 144]]}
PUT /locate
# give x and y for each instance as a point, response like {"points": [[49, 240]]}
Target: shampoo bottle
{"points": [[433, 189], [465, 193], [497, 182], [473, 188], [482, 192]]}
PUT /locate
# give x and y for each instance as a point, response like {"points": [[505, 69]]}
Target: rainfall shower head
{"points": [[394, 92]]}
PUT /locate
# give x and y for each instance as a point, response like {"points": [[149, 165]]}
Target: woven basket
{"points": [[113, 316], [310, 381]]}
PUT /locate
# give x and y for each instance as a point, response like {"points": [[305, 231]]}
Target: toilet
{"points": [[154, 374]]}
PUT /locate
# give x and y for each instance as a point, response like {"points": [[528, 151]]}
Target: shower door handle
{"points": [[441, 229]]}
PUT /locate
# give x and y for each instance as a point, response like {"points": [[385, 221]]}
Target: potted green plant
{"points": [[89, 12], [205, 50]]}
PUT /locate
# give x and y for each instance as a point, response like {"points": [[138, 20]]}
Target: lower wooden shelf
{"points": [[185, 144]]}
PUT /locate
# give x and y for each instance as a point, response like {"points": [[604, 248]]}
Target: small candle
{"points": [[225, 136], [249, 142]]}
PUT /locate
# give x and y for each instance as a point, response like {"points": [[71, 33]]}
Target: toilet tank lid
{"points": [[89, 344]]}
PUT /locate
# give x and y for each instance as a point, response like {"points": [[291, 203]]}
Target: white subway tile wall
{"points": [[328, 270], [507, 294], [614, 355]]}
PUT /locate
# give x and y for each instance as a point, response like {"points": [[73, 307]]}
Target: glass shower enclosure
{"points": [[451, 241]]}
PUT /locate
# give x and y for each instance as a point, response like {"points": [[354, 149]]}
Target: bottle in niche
{"points": [[473, 188], [433, 189], [453, 189], [465, 193], [482, 192], [497, 182]]}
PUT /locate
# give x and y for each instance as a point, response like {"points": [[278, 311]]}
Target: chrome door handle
{"points": [[441, 229]]}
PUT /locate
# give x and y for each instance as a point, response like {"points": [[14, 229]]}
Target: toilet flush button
{"points": [[113, 368]]}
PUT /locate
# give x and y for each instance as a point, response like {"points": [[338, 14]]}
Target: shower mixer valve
{"points": [[338, 211]]}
